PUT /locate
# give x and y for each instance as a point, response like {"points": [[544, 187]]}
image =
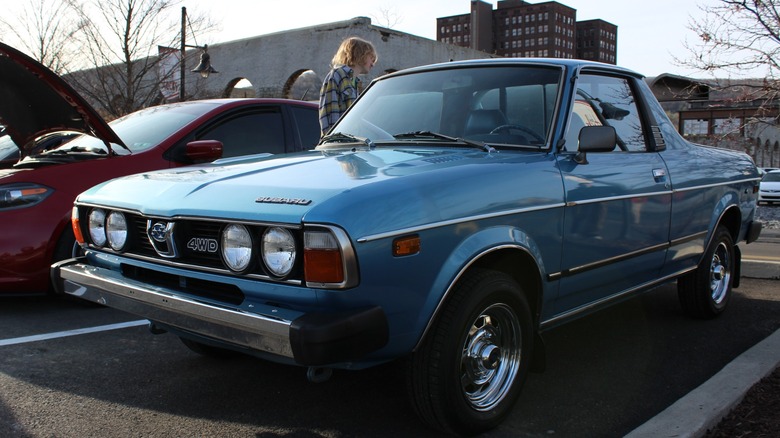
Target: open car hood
{"points": [[34, 101]]}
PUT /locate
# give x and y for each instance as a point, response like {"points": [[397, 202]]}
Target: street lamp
{"points": [[204, 67]]}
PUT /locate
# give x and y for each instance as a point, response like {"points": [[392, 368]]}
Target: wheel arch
{"points": [[520, 265], [731, 218], [63, 227], [519, 261]]}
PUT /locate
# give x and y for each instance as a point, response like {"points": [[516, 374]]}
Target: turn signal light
{"points": [[322, 258], [404, 246], [74, 222], [323, 266]]}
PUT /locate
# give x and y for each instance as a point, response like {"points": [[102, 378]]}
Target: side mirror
{"points": [[204, 151], [595, 139]]}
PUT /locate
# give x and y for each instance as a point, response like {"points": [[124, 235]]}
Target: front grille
{"points": [[138, 239], [223, 292], [192, 243], [199, 253]]}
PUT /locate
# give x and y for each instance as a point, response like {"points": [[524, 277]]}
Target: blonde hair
{"points": [[353, 51]]}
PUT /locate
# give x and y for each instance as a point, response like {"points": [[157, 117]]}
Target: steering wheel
{"points": [[522, 128]]}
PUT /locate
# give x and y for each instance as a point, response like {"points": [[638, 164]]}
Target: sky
{"points": [[664, 22], [640, 22]]}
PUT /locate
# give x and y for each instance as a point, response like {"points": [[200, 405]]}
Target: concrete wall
{"points": [[273, 60]]}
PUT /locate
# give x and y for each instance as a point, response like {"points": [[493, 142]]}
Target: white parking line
{"points": [[46, 336], [770, 260]]}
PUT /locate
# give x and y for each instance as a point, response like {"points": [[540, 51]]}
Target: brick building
{"points": [[520, 29]]}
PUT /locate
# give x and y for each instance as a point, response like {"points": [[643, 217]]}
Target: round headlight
{"points": [[278, 249], [236, 247], [116, 230], [97, 226]]}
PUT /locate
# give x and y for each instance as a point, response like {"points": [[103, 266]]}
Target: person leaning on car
{"points": [[355, 56]]}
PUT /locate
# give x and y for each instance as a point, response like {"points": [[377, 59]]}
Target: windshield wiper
{"points": [[430, 134], [339, 137]]}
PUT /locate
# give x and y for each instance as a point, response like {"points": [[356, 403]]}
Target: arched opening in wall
{"points": [[239, 87], [764, 154], [302, 85], [774, 157], [755, 149]]}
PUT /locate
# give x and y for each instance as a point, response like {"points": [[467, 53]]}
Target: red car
{"points": [[37, 193]]}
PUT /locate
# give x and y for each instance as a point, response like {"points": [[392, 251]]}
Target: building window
{"points": [[696, 127], [726, 126]]}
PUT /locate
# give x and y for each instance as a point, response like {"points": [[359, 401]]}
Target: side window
{"points": [[251, 133], [307, 123], [607, 100]]}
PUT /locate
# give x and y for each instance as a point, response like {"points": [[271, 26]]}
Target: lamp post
{"points": [[204, 67]]}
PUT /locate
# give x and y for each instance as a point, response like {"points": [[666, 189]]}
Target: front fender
{"points": [[727, 213], [470, 252]]}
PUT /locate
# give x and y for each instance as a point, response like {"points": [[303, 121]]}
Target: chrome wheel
{"points": [[720, 273], [705, 292], [470, 368], [491, 357]]}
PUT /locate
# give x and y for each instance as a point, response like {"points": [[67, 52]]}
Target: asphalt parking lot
{"points": [[607, 374]]}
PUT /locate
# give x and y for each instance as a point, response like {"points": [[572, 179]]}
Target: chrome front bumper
{"points": [[306, 338], [111, 289]]}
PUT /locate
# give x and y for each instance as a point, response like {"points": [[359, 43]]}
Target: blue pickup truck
{"points": [[453, 214]]}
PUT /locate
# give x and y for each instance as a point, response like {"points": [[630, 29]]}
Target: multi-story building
{"points": [[517, 28], [597, 41]]}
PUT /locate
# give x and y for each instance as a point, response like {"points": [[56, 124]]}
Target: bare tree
{"points": [[120, 45], [388, 17], [45, 29], [735, 38]]}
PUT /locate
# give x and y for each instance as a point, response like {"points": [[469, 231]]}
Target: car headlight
{"points": [[236, 247], [22, 195], [278, 251], [97, 226], [116, 230]]}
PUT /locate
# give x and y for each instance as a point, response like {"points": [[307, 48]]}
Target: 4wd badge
{"points": [[201, 244]]}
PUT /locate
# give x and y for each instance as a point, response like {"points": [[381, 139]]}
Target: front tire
{"points": [[705, 292], [469, 370]]}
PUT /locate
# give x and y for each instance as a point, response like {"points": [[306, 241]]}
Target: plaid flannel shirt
{"points": [[339, 90]]}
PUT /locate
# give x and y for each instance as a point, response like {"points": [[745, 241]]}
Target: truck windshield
{"points": [[503, 105]]}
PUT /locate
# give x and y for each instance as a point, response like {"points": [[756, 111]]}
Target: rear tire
{"points": [[470, 368], [705, 292]]}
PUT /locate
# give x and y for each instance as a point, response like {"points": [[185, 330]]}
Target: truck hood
{"points": [[35, 101], [407, 185]]}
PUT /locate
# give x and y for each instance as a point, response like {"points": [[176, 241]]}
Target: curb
{"points": [[705, 406], [761, 269]]}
